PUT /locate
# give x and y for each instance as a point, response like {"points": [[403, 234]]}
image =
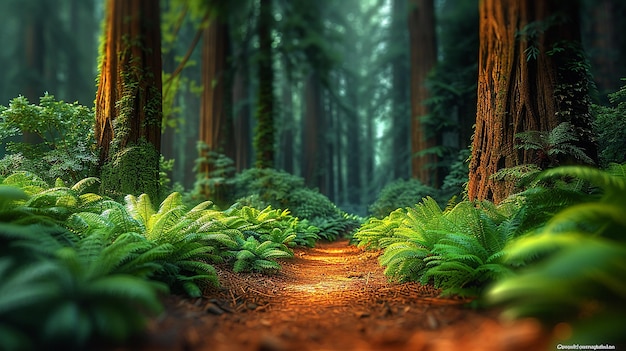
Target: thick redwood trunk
{"points": [[215, 122], [519, 91], [130, 79], [128, 101], [216, 129]]}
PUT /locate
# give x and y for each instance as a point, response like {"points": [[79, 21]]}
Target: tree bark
{"points": [[264, 135], [312, 137], [400, 75], [128, 100], [241, 118], [518, 91], [423, 59], [216, 129]]}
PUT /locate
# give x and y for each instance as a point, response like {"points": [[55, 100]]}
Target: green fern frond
{"points": [[562, 134], [30, 183], [605, 180], [140, 208], [274, 254], [10, 197], [82, 185], [265, 266], [243, 255], [201, 206]]}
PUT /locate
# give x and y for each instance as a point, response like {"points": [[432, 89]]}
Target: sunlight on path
{"points": [[326, 275]]}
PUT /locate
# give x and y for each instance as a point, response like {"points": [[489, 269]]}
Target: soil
{"points": [[331, 297]]}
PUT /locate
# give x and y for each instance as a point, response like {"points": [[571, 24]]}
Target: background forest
{"points": [[341, 84], [280, 123]]}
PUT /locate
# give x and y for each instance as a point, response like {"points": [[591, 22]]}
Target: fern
{"points": [[255, 256], [576, 268], [550, 146], [458, 249]]}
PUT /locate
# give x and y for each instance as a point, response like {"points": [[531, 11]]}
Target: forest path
{"points": [[331, 297]]}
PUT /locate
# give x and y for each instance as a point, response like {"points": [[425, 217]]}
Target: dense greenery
{"points": [[269, 187], [555, 247], [60, 134], [574, 263], [610, 127], [84, 260], [73, 257]]}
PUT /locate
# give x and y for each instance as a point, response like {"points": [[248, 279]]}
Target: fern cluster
{"points": [[62, 290], [268, 187], [458, 249], [72, 257], [576, 269]]}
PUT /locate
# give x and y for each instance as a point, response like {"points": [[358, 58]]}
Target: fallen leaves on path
{"points": [[331, 297]]}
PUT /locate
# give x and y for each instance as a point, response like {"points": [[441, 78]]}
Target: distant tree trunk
{"points": [[216, 129], [34, 66], [354, 139], [312, 137], [519, 91], [330, 142], [287, 131], [605, 40], [423, 59], [400, 75], [264, 134], [241, 118], [128, 101], [82, 53]]}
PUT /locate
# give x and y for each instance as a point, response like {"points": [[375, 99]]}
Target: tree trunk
{"points": [[264, 134], [423, 59], [605, 41], [241, 118], [128, 100], [287, 131], [519, 91], [312, 138], [400, 75], [216, 129]]}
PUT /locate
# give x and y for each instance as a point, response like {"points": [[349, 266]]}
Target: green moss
{"points": [[132, 170]]}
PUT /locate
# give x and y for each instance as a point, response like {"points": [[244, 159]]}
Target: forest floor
{"points": [[331, 297]]}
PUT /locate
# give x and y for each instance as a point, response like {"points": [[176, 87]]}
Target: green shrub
{"points": [[610, 128], [458, 249], [65, 148], [268, 187], [399, 194]]}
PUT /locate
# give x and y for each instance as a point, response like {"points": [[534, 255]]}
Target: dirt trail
{"points": [[331, 297]]}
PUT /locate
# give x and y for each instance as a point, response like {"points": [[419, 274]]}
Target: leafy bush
{"points": [[399, 194], [275, 225], [268, 187], [454, 183], [576, 263], [66, 141], [610, 128], [459, 250]]}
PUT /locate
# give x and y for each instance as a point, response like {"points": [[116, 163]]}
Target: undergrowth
{"points": [[77, 267], [554, 251]]}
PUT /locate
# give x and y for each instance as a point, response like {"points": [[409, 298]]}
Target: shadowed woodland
{"points": [[312, 175]]}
